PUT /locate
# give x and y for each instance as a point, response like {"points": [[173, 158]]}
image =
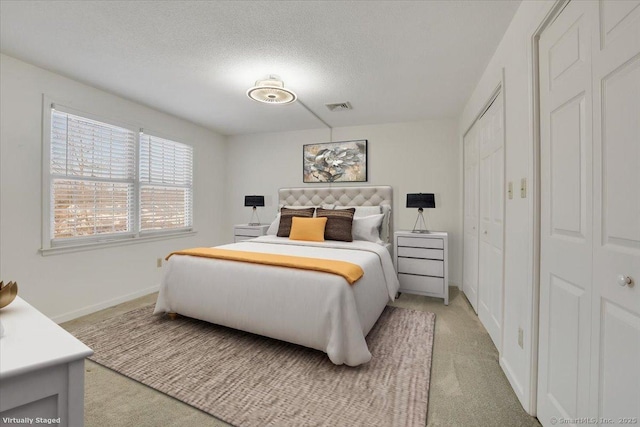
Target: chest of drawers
{"points": [[421, 261], [41, 369]]}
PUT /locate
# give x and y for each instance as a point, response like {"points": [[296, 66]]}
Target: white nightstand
{"points": [[245, 231], [421, 261]]}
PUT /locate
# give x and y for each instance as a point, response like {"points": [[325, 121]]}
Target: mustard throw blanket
{"points": [[351, 272]]}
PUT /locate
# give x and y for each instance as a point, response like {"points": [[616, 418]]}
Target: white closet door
{"points": [[566, 215], [490, 269], [616, 307], [470, 267]]}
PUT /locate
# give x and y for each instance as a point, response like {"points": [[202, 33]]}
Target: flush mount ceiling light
{"points": [[271, 91]]}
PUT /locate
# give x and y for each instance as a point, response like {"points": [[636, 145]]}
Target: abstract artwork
{"points": [[344, 161]]}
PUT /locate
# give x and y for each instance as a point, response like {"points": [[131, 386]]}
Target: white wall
{"points": [[514, 56], [64, 286], [412, 157]]}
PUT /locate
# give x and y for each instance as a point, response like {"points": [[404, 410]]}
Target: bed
{"points": [[310, 308]]}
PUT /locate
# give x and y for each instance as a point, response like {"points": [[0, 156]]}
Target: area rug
{"points": [[249, 380]]}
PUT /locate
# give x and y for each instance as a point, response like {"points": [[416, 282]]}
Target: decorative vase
{"points": [[8, 293]]}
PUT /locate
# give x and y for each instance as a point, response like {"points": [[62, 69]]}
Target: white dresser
{"points": [[245, 232], [41, 369], [421, 261]]}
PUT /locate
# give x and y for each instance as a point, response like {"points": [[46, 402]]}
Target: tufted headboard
{"points": [[343, 196]]}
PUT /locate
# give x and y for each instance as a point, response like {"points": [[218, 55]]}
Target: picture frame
{"points": [[341, 161]]}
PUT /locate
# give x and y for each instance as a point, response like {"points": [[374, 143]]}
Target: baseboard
{"points": [[515, 385], [105, 304]]}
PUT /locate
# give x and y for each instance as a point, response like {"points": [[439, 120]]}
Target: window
{"points": [[108, 182], [165, 184], [92, 177]]}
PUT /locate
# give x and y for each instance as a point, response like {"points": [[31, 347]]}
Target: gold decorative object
{"points": [[8, 293]]}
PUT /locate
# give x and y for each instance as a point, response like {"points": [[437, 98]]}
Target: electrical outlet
{"points": [[159, 262], [523, 188], [510, 190], [521, 338]]}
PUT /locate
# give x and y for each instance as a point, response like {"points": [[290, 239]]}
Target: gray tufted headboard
{"points": [[343, 196]]}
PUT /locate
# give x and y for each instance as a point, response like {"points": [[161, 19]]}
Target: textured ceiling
{"points": [[394, 61]]}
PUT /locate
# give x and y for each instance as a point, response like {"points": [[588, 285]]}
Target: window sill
{"points": [[111, 243]]}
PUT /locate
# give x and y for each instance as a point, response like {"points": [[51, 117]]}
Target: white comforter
{"points": [[310, 308]]}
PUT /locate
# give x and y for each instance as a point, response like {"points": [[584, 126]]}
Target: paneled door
{"points": [[470, 267], [589, 349], [615, 373], [491, 203], [566, 215]]}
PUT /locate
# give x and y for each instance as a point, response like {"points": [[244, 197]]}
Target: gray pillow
{"points": [[339, 223], [285, 219]]}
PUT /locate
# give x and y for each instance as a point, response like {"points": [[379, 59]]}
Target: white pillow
{"points": [[366, 228], [362, 211], [386, 224], [273, 228]]}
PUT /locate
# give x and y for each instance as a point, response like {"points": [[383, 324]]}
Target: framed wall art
{"points": [[343, 161]]}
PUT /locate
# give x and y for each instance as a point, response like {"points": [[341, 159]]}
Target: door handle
{"points": [[484, 232], [624, 280]]}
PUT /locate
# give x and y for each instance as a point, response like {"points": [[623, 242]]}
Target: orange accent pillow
{"points": [[309, 229]]}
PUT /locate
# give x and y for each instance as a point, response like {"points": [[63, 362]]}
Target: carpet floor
{"points": [[467, 386], [253, 381]]}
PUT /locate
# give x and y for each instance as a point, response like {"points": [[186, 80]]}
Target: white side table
{"points": [[245, 231], [421, 261], [41, 368]]}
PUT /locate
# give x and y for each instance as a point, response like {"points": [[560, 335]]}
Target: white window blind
{"points": [[93, 167], [166, 175]]}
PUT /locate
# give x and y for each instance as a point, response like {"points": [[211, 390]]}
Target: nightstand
{"points": [[245, 231], [421, 261]]}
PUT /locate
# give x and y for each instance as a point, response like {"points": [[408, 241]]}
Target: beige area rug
{"points": [[249, 380]]}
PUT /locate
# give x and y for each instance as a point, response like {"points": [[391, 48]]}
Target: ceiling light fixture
{"points": [[271, 91]]}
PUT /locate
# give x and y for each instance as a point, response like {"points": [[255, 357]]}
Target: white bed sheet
{"points": [[315, 309]]}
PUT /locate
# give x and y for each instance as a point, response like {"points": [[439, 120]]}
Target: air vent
{"points": [[339, 106]]}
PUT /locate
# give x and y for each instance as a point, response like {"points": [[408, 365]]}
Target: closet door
{"points": [[491, 199], [470, 266], [566, 215], [616, 157], [590, 214]]}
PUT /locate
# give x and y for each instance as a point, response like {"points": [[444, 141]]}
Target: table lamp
{"points": [[254, 201], [421, 201]]}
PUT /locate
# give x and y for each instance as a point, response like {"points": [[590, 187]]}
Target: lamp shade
{"points": [[421, 200], [254, 200]]}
